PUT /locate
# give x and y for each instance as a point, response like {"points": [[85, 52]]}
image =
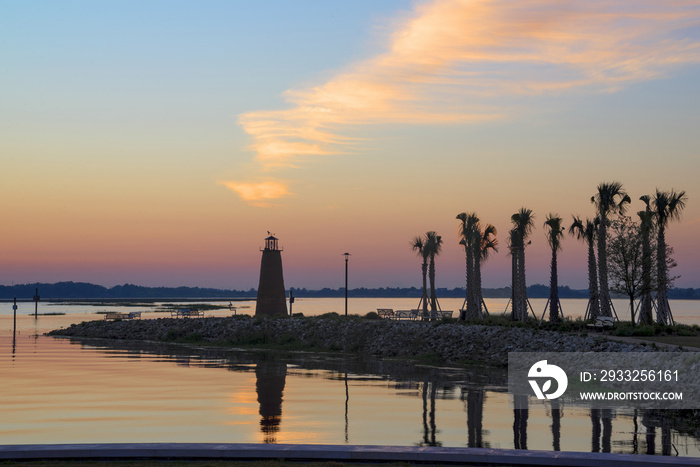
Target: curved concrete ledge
{"points": [[311, 452]]}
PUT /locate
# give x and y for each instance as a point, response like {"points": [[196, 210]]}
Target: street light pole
{"points": [[346, 282]]}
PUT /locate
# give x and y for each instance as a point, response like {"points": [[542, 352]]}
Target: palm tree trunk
{"points": [[593, 283], [470, 281], [433, 297], [646, 312], [515, 316], [603, 267], [523, 284], [463, 311], [554, 289], [424, 269], [662, 279], [477, 288]]}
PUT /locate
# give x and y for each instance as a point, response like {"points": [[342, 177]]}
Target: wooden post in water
{"points": [[14, 328], [14, 317], [346, 282], [36, 304]]}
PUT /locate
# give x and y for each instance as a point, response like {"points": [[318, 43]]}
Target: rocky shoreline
{"points": [[442, 342]]}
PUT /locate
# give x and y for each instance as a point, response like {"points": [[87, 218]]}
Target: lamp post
{"points": [[346, 282]]}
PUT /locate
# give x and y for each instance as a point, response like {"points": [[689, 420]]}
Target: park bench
{"points": [[387, 313], [187, 313], [602, 323], [407, 314]]}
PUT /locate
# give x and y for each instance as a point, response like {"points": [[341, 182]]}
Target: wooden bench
{"points": [[602, 323], [187, 313], [386, 313], [407, 314]]}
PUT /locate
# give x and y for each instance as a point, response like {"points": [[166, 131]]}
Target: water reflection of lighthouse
{"points": [[270, 379]]}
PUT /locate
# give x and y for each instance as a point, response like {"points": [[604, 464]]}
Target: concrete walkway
{"points": [[340, 453]]}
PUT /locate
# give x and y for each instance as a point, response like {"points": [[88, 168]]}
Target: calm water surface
{"points": [[59, 391]]}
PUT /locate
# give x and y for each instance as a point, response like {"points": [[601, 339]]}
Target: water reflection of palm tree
{"points": [[520, 413], [595, 434], [269, 384], [475, 417], [429, 426], [651, 424], [605, 416], [607, 429], [556, 425]]}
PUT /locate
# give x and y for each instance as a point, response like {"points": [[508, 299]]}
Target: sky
{"points": [[157, 142]]}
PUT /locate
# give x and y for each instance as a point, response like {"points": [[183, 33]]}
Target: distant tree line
{"points": [[82, 290]]}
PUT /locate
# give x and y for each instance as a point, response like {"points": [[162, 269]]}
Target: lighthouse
{"points": [[271, 295]]}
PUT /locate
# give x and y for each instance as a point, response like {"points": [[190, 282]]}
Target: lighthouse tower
{"points": [[271, 296]]}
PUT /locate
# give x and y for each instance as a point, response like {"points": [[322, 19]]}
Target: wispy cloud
{"points": [[455, 61], [259, 194]]}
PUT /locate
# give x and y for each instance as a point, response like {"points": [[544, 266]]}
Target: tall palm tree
{"points": [[468, 238], [513, 242], [523, 222], [611, 197], [418, 245], [554, 236], [487, 243], [668, 206], [587, 233], [433, 243], [646, 225]]}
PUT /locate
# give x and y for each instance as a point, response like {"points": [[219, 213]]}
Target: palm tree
{"points": [[468, 238], [523, 223], [487, 243], [587, 233], [668, 206], [513, 242], [554, 236], [433, 244], [646, 218], [610, 198], [418, 245]]}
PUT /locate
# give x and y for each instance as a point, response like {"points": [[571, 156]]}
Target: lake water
{"points": [[59, 391]]}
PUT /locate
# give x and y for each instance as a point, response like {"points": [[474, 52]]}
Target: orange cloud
{"points": [[454, 61], [256, 192]]}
